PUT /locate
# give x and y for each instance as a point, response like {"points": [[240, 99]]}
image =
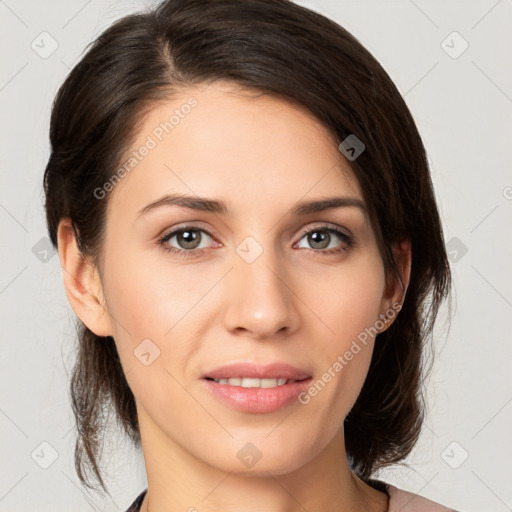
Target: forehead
{"points": [[245, 147]]}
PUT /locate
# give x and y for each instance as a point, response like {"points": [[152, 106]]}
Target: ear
{"points": [[396, 288], [82, 282]]}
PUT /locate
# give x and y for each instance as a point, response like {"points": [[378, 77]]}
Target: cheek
{"points": [[149, 296], [350, 308], [150, 306], [151, 299], [348, 298]]}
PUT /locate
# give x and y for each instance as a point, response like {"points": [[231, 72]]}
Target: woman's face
{"points": [[248, 285]]}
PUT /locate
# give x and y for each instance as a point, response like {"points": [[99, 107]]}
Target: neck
{"points": [[179, 481]]}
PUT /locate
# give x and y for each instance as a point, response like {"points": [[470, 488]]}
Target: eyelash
{"points": [[348, 241]]}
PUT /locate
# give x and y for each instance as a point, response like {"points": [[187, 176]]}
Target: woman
{"points": [[249, 237]]}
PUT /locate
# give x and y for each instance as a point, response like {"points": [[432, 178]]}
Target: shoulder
{"points": [[405, 501]]}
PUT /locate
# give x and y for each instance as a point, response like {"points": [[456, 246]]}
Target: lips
{"points": [[261, 400], [255, 371]]}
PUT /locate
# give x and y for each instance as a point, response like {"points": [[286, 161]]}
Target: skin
{"points": [[294, 303]]}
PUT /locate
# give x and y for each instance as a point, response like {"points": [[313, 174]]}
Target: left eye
{"points": [[321, 237]]}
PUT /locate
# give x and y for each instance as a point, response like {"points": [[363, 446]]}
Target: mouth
{"points": [[257, 395], [250, 382]]}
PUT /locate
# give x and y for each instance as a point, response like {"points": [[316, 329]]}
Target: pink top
{"points": [[405, 501]]}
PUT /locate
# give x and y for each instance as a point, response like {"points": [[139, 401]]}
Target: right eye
{"points": [[188, 237]]}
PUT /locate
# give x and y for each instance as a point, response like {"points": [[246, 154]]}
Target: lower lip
{"points": [[258, 400]]}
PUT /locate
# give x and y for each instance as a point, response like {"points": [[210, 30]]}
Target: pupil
{"points": [[188, 239]]}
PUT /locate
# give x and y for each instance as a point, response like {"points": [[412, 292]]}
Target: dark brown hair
{"points": [[272, 47]]}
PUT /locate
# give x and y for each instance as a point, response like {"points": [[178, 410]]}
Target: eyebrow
{"points": [[204, 204]]}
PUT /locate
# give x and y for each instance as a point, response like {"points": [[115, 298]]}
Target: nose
{"points": [[260, 298]]}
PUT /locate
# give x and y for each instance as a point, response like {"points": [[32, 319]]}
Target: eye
{"points": [[188, 239], [320, 238]]}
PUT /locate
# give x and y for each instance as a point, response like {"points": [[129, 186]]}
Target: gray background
{"points": [[462, 103]]}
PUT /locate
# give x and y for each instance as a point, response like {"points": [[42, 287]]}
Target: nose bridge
{"points": [[260, 299]]}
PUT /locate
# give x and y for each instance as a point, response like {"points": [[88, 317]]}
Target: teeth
{"points": [[253, 383]]}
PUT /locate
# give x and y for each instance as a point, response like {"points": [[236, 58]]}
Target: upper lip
{"points": [[258, 371]]}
